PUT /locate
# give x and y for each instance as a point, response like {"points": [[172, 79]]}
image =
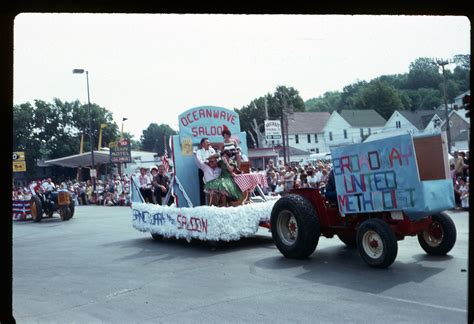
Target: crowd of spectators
{"points": [[115, 191], [459, 166], [283, 178]]}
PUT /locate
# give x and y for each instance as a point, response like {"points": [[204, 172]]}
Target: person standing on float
{"points": [[203, 155], [231, 146]]}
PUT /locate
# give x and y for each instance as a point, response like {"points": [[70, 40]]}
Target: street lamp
{"points": [[282, 125], [285, 111], [123, 120], [93, 171]]}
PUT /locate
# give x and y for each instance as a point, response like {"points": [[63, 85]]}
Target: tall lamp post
{"points": [[123, 120], [93, 170], [283, 134]]}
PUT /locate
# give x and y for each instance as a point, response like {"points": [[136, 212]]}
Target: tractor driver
{"points": [[330, 191]]}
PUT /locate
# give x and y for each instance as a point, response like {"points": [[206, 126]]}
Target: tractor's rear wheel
{"points": [[36, 208], [377, 244], [295, 227], [72, 207], [440, 236]]}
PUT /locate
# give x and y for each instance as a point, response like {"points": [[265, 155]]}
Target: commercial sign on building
{"points": [[19, 163], [272, 130], [120, 152]]}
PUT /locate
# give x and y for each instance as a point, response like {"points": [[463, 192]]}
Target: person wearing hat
{"points": [[203, 155], [144, 182], [224, 186], [210, 172]]}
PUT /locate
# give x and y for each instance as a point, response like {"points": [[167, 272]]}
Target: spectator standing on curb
{"points": [[289, 178]]}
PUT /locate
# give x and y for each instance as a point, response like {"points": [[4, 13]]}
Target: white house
{"points": [[351, 126], [305, 131], [415, 122]]}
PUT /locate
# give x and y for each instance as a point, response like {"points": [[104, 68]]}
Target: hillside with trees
{"points": [[419, 89]]}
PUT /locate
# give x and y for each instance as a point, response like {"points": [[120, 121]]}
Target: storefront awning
{"points": [[81, 160]]}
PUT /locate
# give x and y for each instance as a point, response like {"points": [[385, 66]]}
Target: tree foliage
{"points": [[53, 130], [153, 138], [134, 144], [329, 102], [381, 97], [275, 105], [422, 88]]}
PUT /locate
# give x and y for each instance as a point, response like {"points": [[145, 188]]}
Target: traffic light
{"points": [[466, 103]]}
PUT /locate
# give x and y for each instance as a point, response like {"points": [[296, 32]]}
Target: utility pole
{"points": [[441, 63], [284, 130], [283, 134]]}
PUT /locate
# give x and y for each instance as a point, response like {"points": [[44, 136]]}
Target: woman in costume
{"points": [[231, 146], [224, 185]]}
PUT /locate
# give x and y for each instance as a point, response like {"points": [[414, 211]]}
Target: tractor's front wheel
{"points": [[377, 244], [65, 213], [440, 236], [36, 209], [295, 227]]}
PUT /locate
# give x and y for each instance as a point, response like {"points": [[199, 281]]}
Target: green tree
{"points": [[98, 116], [134, 144], [52, 130], [381, 97], [423, 98], [461, 77], [329, 102], [398, 81], [153, 138], [463, 61], [275, 104], [23, 137], [424, 73], [351, 95]]}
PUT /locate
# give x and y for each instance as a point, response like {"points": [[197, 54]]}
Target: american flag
{"points": [[165, 162]]}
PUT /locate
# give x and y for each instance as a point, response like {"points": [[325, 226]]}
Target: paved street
{"points": [[97, 268]]}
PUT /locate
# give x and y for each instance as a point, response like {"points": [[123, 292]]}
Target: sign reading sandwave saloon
{"points": [[120, 152], [207, 121]]}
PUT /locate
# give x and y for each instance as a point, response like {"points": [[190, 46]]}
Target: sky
{"points": [[150, 68]]}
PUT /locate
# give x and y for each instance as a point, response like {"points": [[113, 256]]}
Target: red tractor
{"points": [[301, 217]]}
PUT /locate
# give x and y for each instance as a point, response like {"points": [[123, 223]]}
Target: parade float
{"points": [[186, 217]]}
